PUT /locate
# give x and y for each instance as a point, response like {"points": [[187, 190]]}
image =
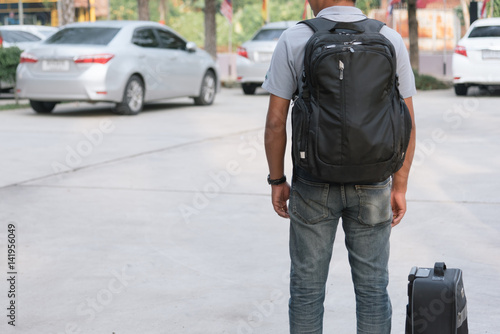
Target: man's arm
{"points": [[400, 179], [275, 143]]}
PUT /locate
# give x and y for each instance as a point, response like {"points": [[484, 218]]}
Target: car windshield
{"points": [[489, 31], [92, 36], [268, 35]]}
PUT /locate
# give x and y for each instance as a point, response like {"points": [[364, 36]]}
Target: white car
{"points": [[24, 36], [476, 61], [125, 62], [254, 56]]}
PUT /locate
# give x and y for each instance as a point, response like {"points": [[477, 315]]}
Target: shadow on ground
{"points": [[107, 110]]}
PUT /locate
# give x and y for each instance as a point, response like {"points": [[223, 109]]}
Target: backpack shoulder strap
{"points": [[319, 24], [371, 25]]}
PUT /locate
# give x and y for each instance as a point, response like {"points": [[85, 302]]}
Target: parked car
{"points": [[476, 60], [125, 62], [254, 56], [24, 36]]}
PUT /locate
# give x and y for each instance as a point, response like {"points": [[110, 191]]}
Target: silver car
{"points": [[254, 56], [125, 62]]}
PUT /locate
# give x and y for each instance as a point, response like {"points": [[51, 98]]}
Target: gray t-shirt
{"points": [[288, 58]]}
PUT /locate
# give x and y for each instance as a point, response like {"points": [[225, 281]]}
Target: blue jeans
{"points": [[315, 209]]}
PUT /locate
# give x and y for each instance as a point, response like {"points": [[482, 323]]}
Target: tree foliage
{"points": [[367, 5], [9, 59], [187, 17], [496, 7]]}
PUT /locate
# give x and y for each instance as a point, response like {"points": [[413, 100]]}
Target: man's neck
{"points": [[343, 3], [322, 4]]}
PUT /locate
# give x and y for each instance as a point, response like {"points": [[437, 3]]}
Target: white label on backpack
{"points": [[302, 155]]}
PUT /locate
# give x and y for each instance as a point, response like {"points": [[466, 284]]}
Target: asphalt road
{"points": [[162, 223]]}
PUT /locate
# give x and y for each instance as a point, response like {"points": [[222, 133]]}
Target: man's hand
{"points": [[275, 143], [279, 196], [400, 178], [398, 203]]}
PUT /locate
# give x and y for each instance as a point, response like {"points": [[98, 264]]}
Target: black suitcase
{"points": [[436, 301]]}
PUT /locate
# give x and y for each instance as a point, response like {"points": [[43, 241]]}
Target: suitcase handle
{"points": [[439, 268]]}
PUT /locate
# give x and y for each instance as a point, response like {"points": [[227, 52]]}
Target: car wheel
{"points": [[42, 107], [249, 89], [133, 97], [461, 89], [207, 90]]}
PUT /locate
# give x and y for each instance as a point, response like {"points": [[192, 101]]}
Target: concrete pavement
{"points": [[162, 223]]}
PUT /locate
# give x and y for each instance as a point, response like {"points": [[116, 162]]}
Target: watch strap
{"points": [[276, 182]]}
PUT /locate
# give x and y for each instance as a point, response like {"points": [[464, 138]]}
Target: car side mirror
{"points": [[191, 47]]}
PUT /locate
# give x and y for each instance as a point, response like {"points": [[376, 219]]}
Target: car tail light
{"points": [[27, 58], [94, 59], [459, 49], [242, 52], [1, 41]]}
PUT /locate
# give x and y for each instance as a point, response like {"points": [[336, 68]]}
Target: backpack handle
{"points": [[348, 26]]}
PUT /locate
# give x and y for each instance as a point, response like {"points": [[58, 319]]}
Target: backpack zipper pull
{"points": [[341, 67]]}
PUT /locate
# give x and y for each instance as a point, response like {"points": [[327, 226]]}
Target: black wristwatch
{"points": [[276, 181]]}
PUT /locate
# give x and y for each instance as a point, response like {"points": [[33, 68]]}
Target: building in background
{"points": [[45, 12], [438, 23]]}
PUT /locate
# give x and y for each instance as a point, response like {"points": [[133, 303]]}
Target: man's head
{"points": [[318, 5]]}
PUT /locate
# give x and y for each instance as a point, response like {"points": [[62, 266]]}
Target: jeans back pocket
{"points": [[374, 203], [308, 200]]}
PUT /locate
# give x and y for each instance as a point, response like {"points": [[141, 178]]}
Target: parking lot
{"points": [[162, 222]]}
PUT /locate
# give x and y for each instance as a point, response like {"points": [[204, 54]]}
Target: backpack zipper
{"points": [[342, 105]]}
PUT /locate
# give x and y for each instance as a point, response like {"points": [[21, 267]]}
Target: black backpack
{"points": [[349, 121]]}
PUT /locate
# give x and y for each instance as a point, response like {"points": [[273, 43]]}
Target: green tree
{"points": [[9, 59], [123, 9], [496, 7], [367, 5], [188, 17]]}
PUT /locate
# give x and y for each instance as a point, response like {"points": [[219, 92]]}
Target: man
{"points": [[316, 207]]}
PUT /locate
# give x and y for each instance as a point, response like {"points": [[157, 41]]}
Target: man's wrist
{"points": [[275, 182], [399, 183]]}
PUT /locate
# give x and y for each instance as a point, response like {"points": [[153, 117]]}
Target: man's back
{"points": [[286, 67]]}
